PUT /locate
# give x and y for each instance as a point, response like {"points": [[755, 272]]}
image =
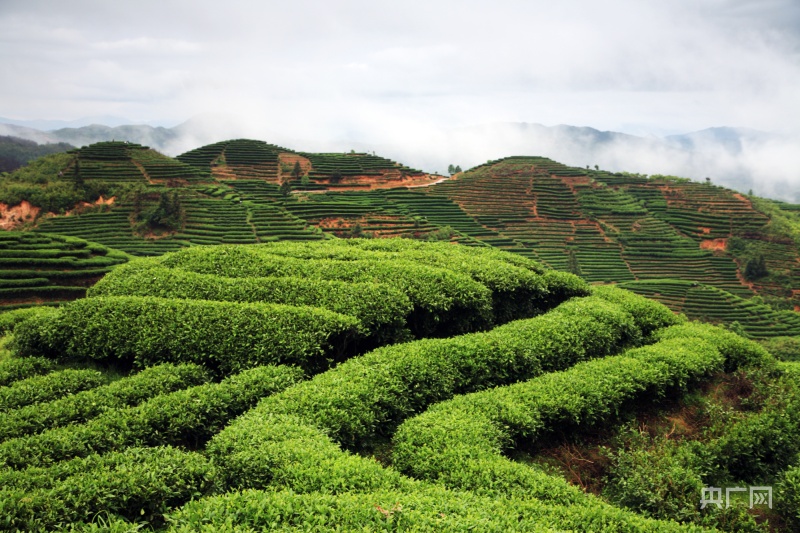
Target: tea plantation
{"points": [[226, 341], [382, 384]]}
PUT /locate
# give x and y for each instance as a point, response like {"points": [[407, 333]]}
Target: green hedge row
{"points": [[379, 308], [38, 389], [459, 443], [739, 352], [138, 484], [363, 400], [433, 509], [226, 337], [187, 417], [517, 287], [83, 406], [17, 368], [445, 302]]}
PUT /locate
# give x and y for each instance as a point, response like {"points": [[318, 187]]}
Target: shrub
{"points": [[187, 417], [139, 484], [788, 501], [364, 399], [83, 406], [224, 336], [459, 442], [445, 302], [738, 351], [376, 306], [17, 368], [44, 388]]}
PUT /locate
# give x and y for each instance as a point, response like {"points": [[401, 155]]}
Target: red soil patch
{"points": [[290, 160], [713, 244], [84, 206], [705, 231], [14, 216]]}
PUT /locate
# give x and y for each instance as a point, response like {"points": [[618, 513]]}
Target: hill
{"points": [[606, 227], [16, 152]]}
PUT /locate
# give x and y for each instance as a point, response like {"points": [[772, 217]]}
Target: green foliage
{"points": [[16, 152], [459, 442], [738, 351], [663, 478], [445, 302], [428, 508], [139, 484], [10, 319], [755, 268], [17, 368], [225, 337], [760, 446], [380, 309], [659, 478], [166, 215], [38, 389], [83, 406], [186, 417], [46, 183], [783, 348], [788, 501]]}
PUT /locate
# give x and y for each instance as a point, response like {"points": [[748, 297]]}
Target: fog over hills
{"points": [[740, 158]]}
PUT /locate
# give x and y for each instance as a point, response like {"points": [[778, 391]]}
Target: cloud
{"points": [[395, 73]]}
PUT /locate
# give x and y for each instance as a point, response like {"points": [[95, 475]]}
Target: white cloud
{"points": [[395, 73]]}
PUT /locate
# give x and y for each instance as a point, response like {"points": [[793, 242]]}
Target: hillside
{"points": [[606, 227], [16, 152], [384, 384]]}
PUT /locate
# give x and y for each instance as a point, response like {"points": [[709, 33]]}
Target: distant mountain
{"points": [[16, 152], [740, 158]]}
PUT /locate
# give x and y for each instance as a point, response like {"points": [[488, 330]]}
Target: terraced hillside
{"points": [[38, 268], [605, 227], [246, 159], [372, 384]]}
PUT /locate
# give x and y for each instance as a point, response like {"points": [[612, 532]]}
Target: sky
{"points": [[402, 73]]}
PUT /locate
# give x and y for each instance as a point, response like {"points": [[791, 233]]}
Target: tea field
{"points": [[383, 384]]}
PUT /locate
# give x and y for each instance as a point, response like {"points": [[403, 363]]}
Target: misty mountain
{"points": [[739, 158]]}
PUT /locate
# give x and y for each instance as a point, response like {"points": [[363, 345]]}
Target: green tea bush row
{"points": [[378, 307], [38, 389], [445, 302], [739, 352], [138, 484], [429, 509], [226, 337], [83, 406], [10, 319], [187, 417], [285, 452], [17, 368], [459, 442], [367, 397], [517, 292], [363, 400]]}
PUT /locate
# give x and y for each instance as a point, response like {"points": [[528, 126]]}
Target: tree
{"points": [[458, 169], [305, 180], [597, 167], [356, 230], [451, 169], [755, 268], [336, 176], [285, 188], [296, 171], [708, 181], [572, 263]]}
